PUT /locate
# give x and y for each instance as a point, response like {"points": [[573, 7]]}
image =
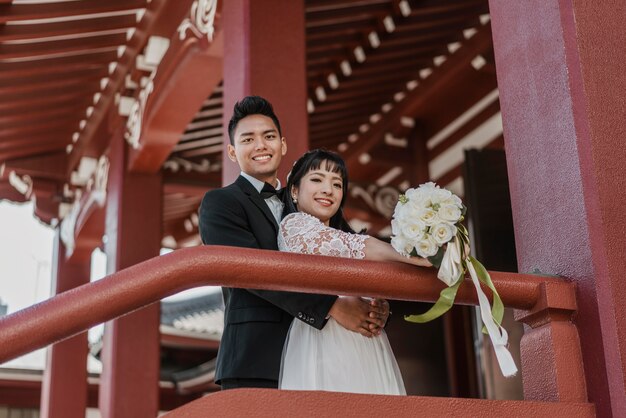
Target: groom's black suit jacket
{"points": [[255, 321]]}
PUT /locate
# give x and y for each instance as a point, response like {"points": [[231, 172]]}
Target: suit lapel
{"points": [[257, 200]]}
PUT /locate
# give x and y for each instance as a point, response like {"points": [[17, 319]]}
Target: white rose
{"points": [[401, 245], [443, 232], [440, 195], [427, 247], [414, 228], [410, 194], [428, 216], [395, 227], [450, 213], [403, 212], [457, 200]]}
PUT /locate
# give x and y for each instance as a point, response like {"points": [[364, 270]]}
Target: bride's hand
{"points": [[353, 313], [419, 261]]}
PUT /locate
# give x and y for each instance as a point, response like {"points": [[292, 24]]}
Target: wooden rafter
{"points": [[45, 65], [161, 18], [108, 24], [73, 46], [17, 12], [418, 97]]}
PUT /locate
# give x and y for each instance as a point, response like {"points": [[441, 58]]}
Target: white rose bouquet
{"points": [[427, 222]]}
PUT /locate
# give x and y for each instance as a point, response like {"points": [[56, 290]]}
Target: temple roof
{"points": [[399, 88]]}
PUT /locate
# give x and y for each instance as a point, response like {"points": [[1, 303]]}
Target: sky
{"points": [[26, 247], [25, 262]]}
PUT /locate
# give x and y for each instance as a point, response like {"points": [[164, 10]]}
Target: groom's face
{"points": [[258, 147]]}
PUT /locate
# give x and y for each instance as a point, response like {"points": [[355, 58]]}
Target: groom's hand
{"points": [[379, 310], [353, 313]]}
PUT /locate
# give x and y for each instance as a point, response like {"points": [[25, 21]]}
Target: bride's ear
{"points": [[294, 194]]}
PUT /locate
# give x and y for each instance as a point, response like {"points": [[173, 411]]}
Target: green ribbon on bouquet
{"points": [[443, 305], [448, 295]]}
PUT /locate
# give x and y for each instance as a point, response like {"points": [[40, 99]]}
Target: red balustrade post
{"points": [[64, 386], [552, 364], [130, 354]]}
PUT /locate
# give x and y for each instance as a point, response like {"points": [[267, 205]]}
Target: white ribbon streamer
{"points": [[450, 268], [498, 335]]}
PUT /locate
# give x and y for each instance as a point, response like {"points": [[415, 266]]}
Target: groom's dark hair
{"points": [[251, 105]]}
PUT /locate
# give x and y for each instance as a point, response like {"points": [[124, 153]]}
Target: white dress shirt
{"points": [[273, 202]]}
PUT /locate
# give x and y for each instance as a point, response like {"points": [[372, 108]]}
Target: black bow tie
{"points": [[268, 191]]}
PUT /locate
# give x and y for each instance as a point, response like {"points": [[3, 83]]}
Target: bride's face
{"points": [[319, 193]]}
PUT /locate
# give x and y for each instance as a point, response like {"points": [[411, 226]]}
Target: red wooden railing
{"points": [[551, 358]]}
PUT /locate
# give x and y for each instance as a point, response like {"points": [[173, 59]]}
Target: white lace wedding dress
{"points": [[333, 358]]}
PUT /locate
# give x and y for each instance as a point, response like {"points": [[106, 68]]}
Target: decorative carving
{"points": [[176, 163], [95, 195], [23, 184], [200, 20], [380, 199], [135, 118]]}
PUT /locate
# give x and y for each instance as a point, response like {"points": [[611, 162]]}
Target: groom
{"points": [[246, 214]]}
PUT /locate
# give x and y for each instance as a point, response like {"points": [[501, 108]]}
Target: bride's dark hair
{"points": [[313, 160]]}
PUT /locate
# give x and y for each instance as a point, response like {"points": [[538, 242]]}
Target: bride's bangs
{"points": [[327, 162]]}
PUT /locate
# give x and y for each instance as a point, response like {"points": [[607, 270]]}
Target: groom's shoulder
{"points": [[223, 195]]}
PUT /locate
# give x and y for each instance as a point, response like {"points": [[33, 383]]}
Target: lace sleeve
{"points": [[303, 233]]}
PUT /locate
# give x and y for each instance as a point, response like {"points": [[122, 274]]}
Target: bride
{"points": [[333, 358]]}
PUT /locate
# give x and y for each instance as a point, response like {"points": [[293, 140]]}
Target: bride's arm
{"points": [[378, 250]]}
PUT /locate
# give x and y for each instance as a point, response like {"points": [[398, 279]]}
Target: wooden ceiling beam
{"points": [[428, 8], [371, 105], [31, 151], [14, 98], [50, 166], [364, 83], [338, 33], [18, 12], [48, 66], [191, 179], [461, 94], [60, 115], [355, 95], [419, 97], [187, 76], [77, 27], [362, 24], [346, 38], [161, 18], [27, 133], [28, 110], [33, 139], [338, 8], [187, 189], [24, 104], [333, 18], [39, 80], [31, 50], [464, 130], [93, 78]]}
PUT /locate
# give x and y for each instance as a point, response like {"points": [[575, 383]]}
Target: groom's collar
{"points": [[256, 183]]}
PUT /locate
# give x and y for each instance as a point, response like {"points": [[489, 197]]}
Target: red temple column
{"points": [[264, 44], [64, 387], [561, 79], [130, 355]]}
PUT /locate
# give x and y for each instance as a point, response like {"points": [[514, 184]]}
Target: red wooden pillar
{"points": [[264, 55], [130, 356], [561, 79], [64, 387]]}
